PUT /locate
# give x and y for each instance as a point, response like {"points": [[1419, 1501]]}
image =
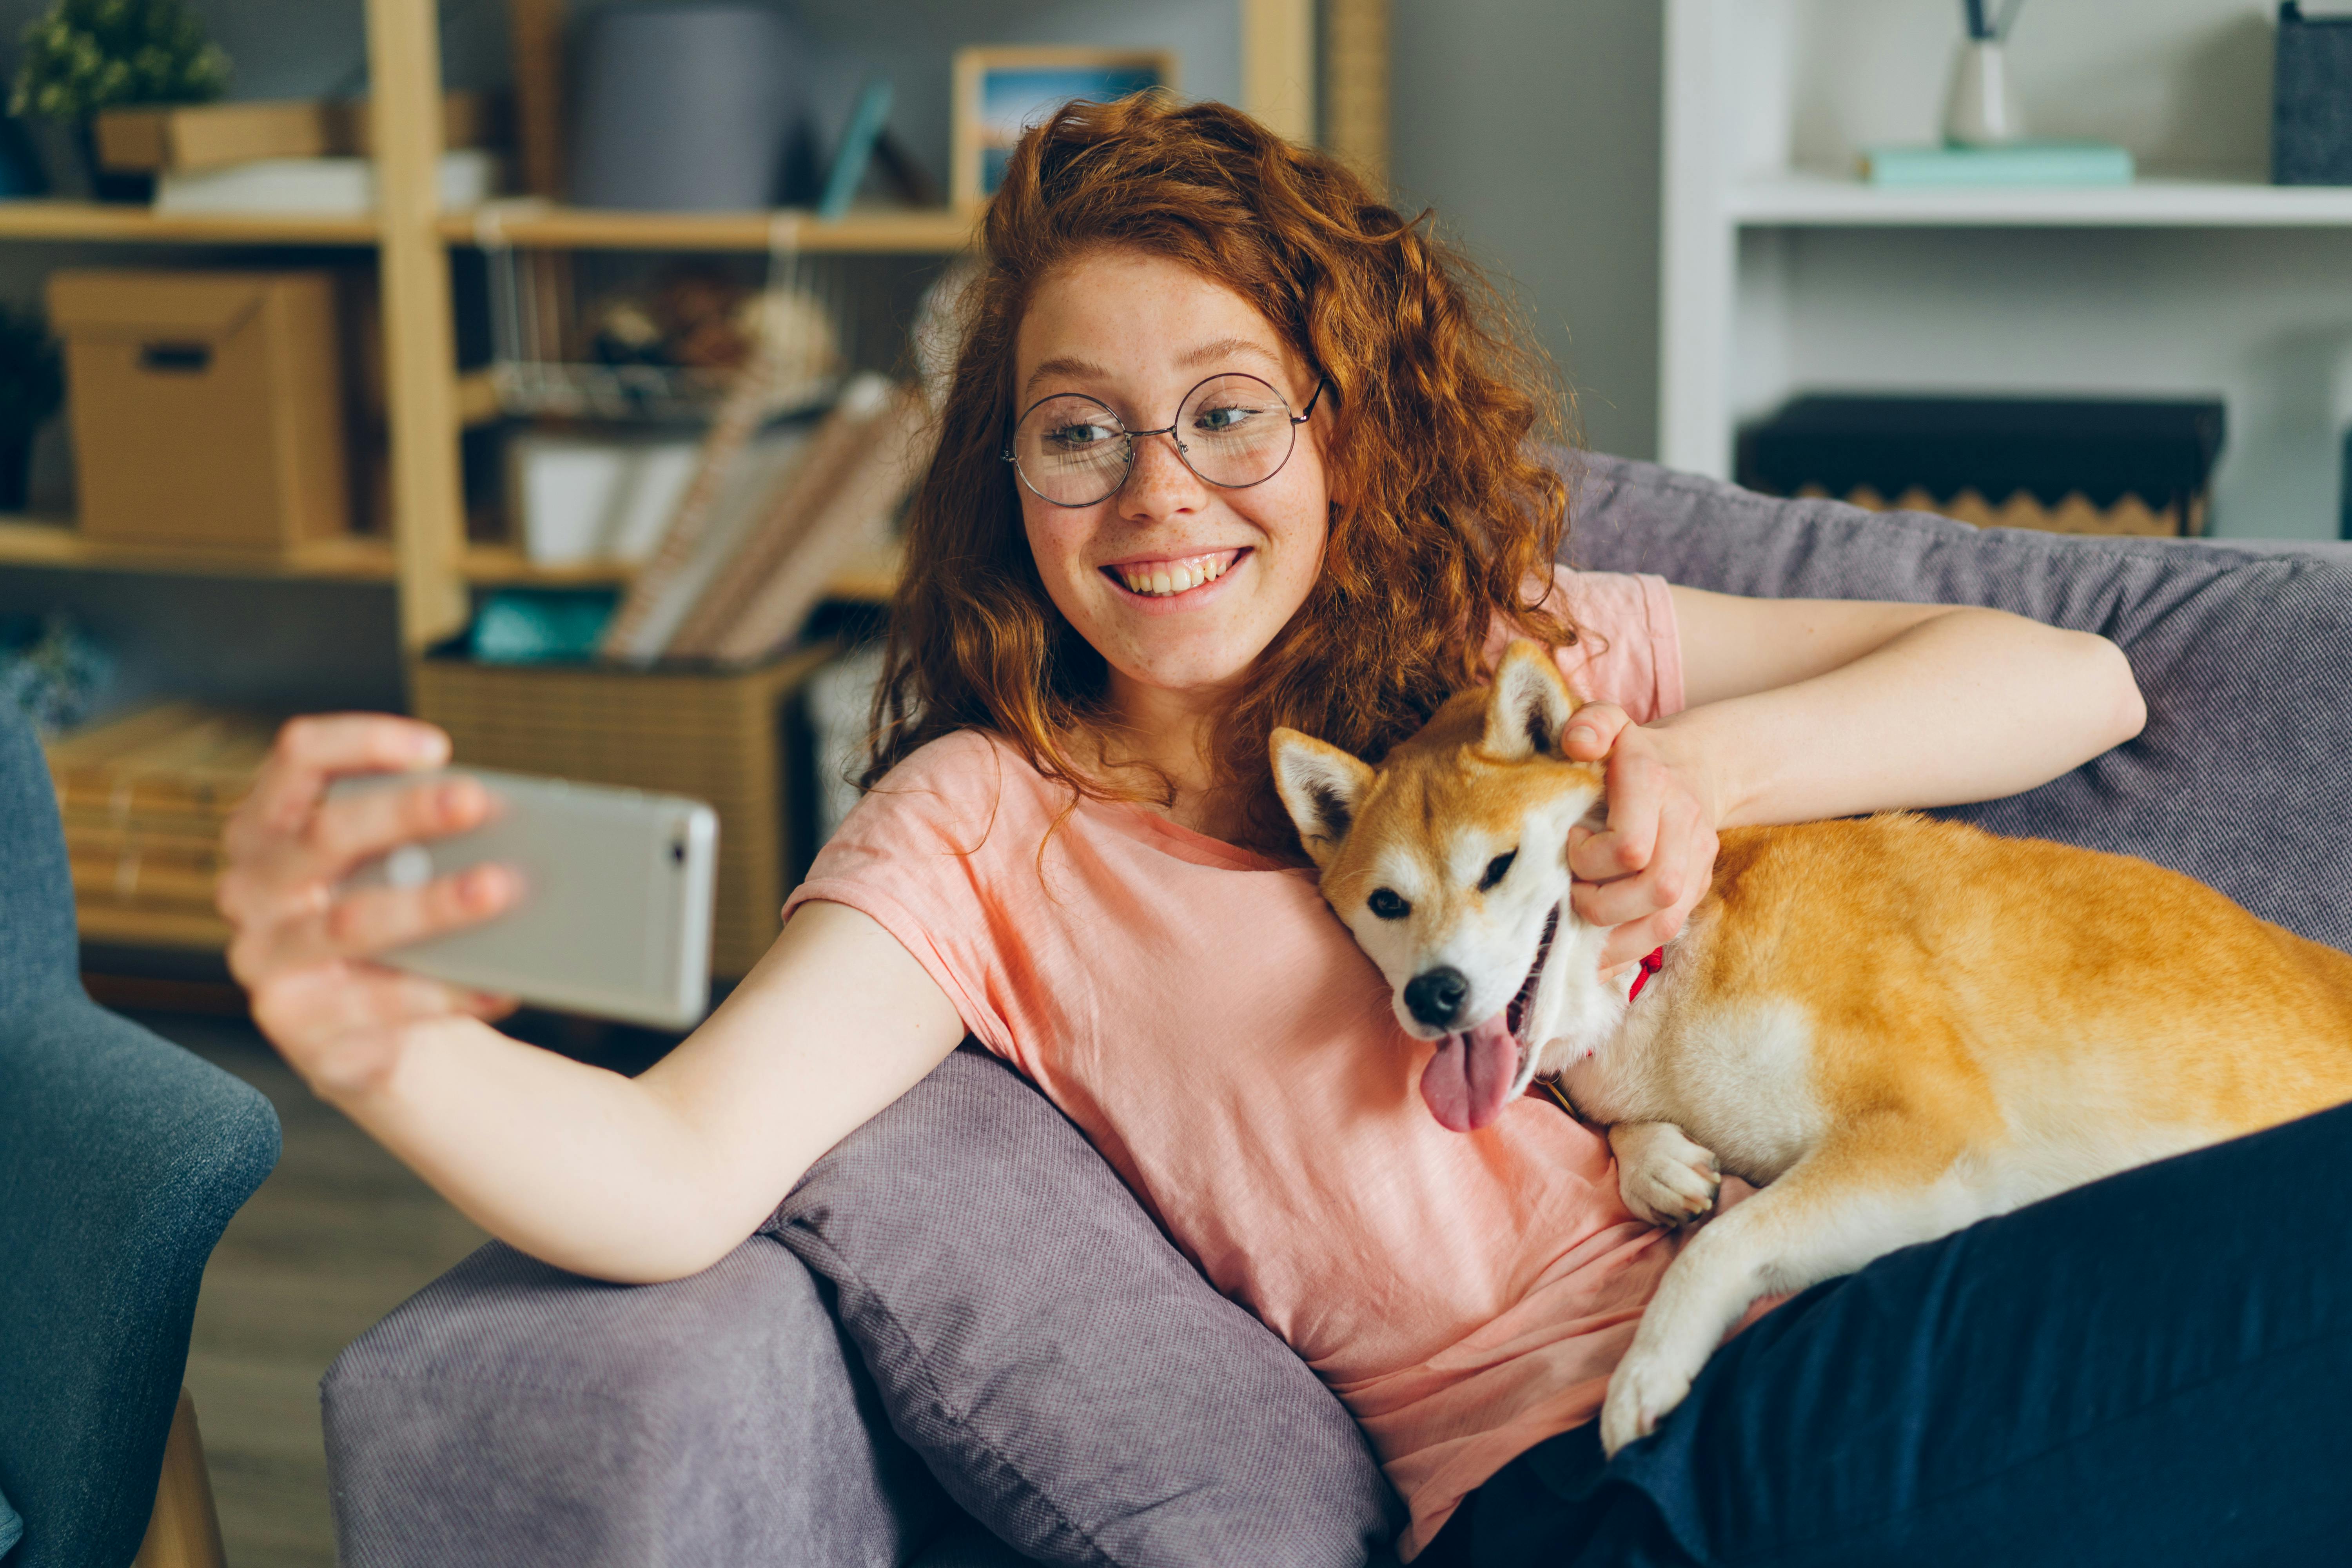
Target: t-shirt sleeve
{"points": [[916, 854], [1629, 647]]}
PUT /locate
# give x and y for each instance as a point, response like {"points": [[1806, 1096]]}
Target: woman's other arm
{"points": [[1804, 709], [627, 1179]]}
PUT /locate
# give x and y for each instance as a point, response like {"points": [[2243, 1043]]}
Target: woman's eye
{"points": [[1222, 421], [1385, 903], [1071, 438], [1496, 870]]}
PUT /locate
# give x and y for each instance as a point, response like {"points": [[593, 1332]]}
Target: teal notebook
{"points": [[2020, 164], [856, 149]]}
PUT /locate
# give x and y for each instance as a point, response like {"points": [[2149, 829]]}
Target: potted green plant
{"points": [[32, 384], [85, 56]]}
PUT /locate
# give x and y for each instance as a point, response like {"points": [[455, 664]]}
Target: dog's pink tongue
{"points": [[1467, 1080]]}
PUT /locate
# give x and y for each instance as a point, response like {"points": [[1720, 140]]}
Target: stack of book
{"points": [[144, 798], [288, 156], [769, 517]]}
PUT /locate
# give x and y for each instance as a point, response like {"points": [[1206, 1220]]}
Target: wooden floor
{"points": [[338, 1236]]}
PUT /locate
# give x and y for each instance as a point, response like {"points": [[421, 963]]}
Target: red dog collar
{"points": [[1650, 966]]}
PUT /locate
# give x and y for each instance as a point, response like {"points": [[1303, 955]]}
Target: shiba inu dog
{"points": [[1894, 1027]]}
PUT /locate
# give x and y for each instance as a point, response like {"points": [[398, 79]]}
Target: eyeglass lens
{"points": [[1233, 431]]}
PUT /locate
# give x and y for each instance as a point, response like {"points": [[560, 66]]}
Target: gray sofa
{"points": [[959, 1341]]}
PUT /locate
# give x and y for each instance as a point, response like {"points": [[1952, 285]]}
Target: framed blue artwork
{"points": [[1000, 93]]}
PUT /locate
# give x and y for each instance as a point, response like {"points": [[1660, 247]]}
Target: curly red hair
{"points": [[1450, 514]]}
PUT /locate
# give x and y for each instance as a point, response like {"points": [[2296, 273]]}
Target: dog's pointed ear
{"points": [[1527, 706], [1321, 786]]}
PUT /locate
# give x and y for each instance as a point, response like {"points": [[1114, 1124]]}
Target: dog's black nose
{"points": [[1435, 996]]}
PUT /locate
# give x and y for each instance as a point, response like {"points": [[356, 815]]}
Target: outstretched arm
{"points": [[1803, 709], [627, 1179]]}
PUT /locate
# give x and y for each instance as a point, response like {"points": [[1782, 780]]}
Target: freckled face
{"points": [[1137, 332]]}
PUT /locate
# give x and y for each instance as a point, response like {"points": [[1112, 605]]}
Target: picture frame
{"points": [[1003, 89]]}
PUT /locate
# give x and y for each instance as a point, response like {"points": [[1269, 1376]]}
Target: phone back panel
{"points": [[615, 917]]}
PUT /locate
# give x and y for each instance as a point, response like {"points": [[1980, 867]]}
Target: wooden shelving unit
{"points": [[55, 543], [426, 556], [548, 225], [428, 401], [55, 220]]}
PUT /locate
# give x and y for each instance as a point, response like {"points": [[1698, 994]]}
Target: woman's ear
{"points": [[1321, 786], [1528, 705]]}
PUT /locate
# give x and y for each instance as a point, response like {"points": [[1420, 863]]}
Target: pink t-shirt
{"points": [[1200, 1012]]}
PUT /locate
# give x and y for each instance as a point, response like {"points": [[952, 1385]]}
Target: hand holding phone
{"points": [[614, 914]]}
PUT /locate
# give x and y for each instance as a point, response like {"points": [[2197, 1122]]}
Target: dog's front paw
{"points": [[1641, 1391], [1664, 1177]]}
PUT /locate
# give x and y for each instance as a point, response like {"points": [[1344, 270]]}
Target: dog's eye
{"points": [[1497, 868], [1387, 905]]}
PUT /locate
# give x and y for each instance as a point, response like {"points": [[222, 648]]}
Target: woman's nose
{"points": [[1158, 484]]}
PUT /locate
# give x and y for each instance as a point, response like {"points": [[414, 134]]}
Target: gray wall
{"points": [[1531, 126]]}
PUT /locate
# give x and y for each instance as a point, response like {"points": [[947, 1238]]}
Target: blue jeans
{"points": [[2153, 1369]]}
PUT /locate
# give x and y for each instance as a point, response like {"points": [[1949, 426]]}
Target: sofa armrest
{"points": [[511, 1413]]}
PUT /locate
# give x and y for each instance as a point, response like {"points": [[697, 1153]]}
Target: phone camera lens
{"points": [[677, 851]]}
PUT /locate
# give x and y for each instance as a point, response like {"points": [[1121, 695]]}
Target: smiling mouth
{"points": [[1167, 579]]}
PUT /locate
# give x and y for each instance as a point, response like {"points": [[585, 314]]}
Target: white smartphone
{"points": [[615, 917]]}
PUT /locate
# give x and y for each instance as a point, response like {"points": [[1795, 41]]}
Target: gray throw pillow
{"points": [[1069, 1377], [2244, 657]]}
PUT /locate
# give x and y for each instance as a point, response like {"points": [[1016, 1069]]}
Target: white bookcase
{"points": [[1781, 272]]}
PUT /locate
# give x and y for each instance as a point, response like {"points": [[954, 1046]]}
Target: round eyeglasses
{"points": [[1232, 430]]}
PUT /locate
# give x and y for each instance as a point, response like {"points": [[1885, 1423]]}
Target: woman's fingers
{"points": [[371, 921], [1647, 908], [278, 875], [1592, 729], [311, 750], [1637, 789]]}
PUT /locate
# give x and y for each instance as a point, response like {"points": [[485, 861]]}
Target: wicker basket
{"points": [[717, 736]]}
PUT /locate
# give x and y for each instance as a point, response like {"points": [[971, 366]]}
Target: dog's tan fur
{"points": [[1897, 1025]]}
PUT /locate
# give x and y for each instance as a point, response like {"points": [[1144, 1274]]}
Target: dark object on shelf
{"points": [[2070, 465], [2311, 106], [67, 152], [32, 385], [208, 408], [683, 108]]}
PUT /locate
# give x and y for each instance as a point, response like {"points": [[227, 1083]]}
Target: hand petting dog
{"points": [[1644, 873]]}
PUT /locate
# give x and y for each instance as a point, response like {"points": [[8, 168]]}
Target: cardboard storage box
{"points": [[719, 737], [207, 406]]}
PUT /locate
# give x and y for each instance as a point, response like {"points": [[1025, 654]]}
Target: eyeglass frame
{"points": [[1167, 430]]}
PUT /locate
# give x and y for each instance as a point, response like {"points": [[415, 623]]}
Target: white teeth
{"points": [[1164, 579]]}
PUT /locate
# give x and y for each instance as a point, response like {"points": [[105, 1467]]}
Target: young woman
{"points": [[1226, 447]]}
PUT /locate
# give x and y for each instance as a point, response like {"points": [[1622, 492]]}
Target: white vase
{"points": [[1982, 108]]}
